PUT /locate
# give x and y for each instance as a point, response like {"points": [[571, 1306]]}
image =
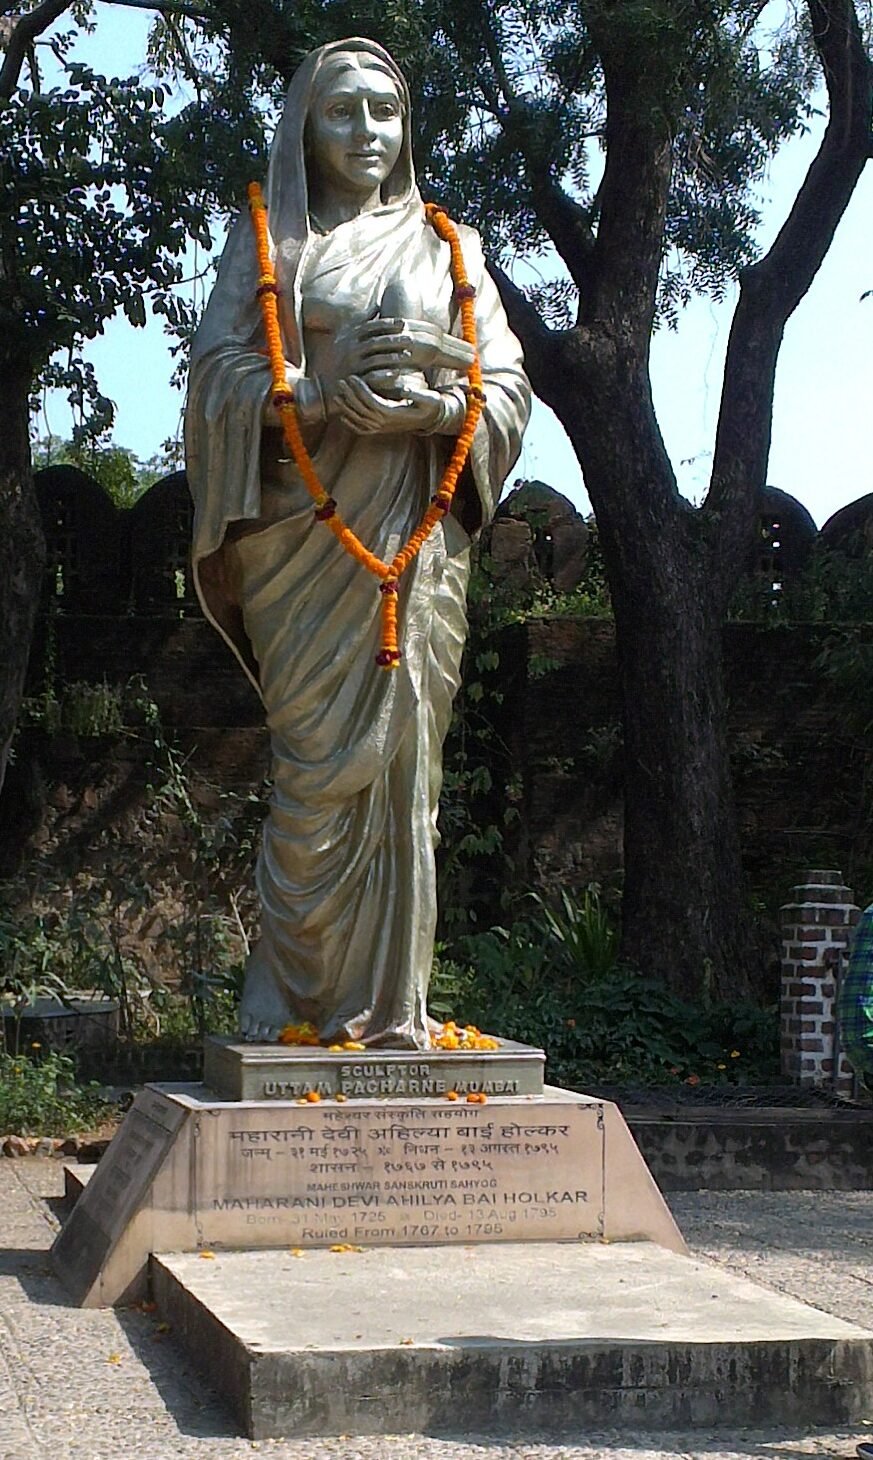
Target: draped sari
{"points": [[346, 873]]}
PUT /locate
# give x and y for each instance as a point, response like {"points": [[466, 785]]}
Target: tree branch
{"points": [[786, 272], [771, 289], [633, 192], [173, 7], [21, 32], [540, 344], [24, 33], [566, 221], [186, 60]]}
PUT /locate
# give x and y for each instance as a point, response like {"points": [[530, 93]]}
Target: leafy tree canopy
{"points": [[103, 193], [510, 105]]}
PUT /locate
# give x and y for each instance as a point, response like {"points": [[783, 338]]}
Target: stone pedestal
{"points": [[190, 1172], [238, 1071]]}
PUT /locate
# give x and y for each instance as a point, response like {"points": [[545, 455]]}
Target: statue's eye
{"points": [[386, 109], [338, 109]]}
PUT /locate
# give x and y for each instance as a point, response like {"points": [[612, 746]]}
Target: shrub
{"points": [[39, 1096], [552, 980]]}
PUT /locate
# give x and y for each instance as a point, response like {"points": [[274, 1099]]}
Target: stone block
{"points": [[562, 1338], [238, 1071], [187, 1171]]}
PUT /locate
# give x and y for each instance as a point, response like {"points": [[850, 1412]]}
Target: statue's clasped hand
{"points": [[381, 386], [402, 344], [366, 412]]}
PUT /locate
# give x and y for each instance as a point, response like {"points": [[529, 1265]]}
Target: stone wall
{"points": [[107, 560], [799, 771], [556, 752], [558, 748]]}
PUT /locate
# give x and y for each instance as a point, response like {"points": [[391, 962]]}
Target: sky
{"points": [[822, 447]]}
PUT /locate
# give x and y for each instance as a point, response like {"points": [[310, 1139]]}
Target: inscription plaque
{"points": [[240, 1071], [404, 1174]]}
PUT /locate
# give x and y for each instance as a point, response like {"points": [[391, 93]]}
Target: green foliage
{"points": [[30, 967], [209, 944], [553, 980], [90, 205], [846, 662], [39, 1096], [171, 949], [84, 709], [602, 748], [105, 191], [474, 816], [507, 95], [497, 600], [836, 586], [581, 935]]}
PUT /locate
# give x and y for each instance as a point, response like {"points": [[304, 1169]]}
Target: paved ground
{"points": [[91, 1385]]}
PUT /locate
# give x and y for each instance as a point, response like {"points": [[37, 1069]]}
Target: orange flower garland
{"points": [[283, 399]]}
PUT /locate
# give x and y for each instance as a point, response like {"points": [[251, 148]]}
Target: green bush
{"points": [[552, 980], [39, 1096]]}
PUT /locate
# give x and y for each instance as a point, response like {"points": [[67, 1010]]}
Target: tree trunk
{"points": [[22, 548], [670, 566], [685, 918]]}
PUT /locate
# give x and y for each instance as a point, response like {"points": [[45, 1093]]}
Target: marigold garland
{"points": [[283, 399]]}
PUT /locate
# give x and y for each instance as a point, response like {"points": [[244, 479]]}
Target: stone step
{"points": [[76, 1178], [527, 1338]]}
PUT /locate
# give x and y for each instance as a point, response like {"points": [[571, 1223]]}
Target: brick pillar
{"points": [[816, 930]]}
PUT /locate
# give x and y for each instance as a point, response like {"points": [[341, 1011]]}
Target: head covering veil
{"points": [[233, 313]]}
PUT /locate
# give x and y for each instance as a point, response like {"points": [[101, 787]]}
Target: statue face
{"points": [[355, 130]]}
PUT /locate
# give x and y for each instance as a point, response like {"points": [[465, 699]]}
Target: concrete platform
{"points": [[522, 1337]]}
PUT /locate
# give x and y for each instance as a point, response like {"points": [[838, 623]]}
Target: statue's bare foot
{"points": [[264, 1010]]}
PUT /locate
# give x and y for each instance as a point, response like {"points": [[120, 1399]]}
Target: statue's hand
{"points": [[367, 413], [403, 344], [385, 353]]}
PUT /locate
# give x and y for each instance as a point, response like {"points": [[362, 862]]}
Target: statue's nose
{"points": [[366, 127]]}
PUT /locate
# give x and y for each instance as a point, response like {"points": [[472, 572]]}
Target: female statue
{"points": [[376, 364]]}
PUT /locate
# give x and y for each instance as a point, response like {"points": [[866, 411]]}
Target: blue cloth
{"points": [[855, 1002]]}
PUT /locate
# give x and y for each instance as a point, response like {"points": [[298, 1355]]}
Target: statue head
{"points": [[355, 123], [345, 119]]}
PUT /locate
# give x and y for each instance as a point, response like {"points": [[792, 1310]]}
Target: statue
{"points": [[370, 320]]}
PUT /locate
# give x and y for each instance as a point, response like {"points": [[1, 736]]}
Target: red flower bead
{"points": [[326, 510]]}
